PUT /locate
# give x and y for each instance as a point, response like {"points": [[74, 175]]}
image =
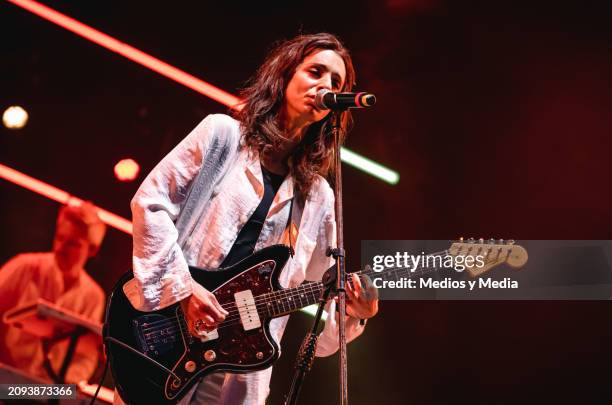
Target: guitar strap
{"points": [[247, 238]]}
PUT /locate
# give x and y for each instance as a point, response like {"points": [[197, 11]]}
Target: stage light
{"points": [[15, 117], [126, 170], [369, 166]]}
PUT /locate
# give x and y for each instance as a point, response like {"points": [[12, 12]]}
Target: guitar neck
{"points": [[283, 302]]}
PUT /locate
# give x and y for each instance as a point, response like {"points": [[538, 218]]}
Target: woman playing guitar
{"points": [[238, 184]]}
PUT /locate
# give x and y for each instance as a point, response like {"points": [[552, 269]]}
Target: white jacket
{"points": [[162, 254]]}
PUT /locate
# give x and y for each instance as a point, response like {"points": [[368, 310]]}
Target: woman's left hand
{"points": [[361, 298]]}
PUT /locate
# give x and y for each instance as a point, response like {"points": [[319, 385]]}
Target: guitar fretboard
{"points": [[283, 302]]}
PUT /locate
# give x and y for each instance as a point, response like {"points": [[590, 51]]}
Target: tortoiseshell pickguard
{"points": [[235, 349], [154, 358]]}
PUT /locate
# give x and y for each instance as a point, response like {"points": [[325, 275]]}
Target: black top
{"points": [[247, 238]]}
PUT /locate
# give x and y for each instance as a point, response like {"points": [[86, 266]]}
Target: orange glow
{"points": [[61, 196], [126, 170], [129, 52]]}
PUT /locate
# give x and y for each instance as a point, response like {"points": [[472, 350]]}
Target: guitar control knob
{"points": [[210, 355], [190, 366], [259, 355], [176, 383]]}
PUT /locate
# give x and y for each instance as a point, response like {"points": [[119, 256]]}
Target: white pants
{"points": [[226, 389], [229, 389]]}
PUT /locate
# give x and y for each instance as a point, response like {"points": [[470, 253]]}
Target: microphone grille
{"points": [[369, 100], [320, 99]]}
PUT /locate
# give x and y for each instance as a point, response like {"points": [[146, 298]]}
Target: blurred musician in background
{"points": [[60, 278]]}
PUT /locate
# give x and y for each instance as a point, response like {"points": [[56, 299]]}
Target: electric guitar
{"points": [[155, 359]]}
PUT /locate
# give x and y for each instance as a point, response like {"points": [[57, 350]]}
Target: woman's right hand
{"points": [[202, 308]]}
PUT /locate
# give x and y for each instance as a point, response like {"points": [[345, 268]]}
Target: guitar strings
{"points": [[289, 291], [285, 293], [263, 300], [170, 324], [162, 324], [233, 320]]}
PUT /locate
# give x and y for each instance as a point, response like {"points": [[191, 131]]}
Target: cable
{"points": [[93, 400]]}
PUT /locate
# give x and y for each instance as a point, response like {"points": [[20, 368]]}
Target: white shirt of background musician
{"points": [[30, 276]]}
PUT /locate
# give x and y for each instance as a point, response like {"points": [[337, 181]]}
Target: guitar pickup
{"points": [[247, 309]]}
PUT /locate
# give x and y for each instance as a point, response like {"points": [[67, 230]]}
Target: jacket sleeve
{"points": [[160, 269], [328, 342]]}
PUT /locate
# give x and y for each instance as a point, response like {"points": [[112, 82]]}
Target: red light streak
{"points": [[61, 196], [129, 52]]}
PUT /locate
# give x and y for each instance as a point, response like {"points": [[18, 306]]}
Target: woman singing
{"points": [[236, 185]]}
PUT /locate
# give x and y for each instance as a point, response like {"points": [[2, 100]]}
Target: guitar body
{"points": [[153, 357]]}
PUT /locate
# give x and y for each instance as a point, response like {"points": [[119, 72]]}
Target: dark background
{"points": [[495, 114]]}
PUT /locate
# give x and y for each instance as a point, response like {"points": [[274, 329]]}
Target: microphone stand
{"points": [[338, 254], [333, 280]]}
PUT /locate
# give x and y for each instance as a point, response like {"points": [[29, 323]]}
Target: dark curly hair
{"points": [[264, 97]]}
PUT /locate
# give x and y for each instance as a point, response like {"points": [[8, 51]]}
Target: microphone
{"points": [[328, 100]]}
